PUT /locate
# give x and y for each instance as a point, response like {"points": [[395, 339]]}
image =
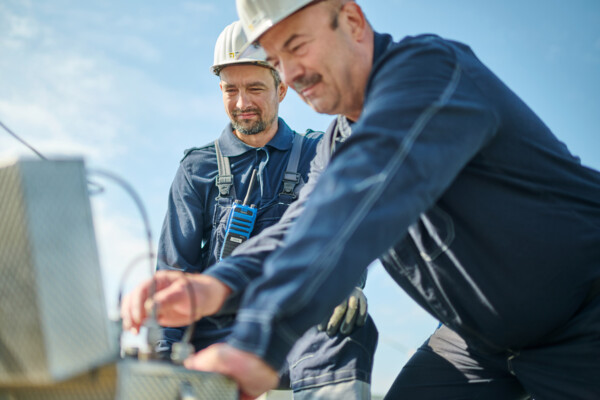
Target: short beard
{"points": [[258, 127]]}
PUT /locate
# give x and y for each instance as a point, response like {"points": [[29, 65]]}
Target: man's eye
{"points": [[298, 48]]}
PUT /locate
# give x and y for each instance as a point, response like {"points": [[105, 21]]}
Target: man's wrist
{"points": [[209, 294], [256, 334]]}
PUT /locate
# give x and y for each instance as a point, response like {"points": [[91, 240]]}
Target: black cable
{"points": [[97, 187], [125, 274], [188, 334], [187, 337], [129, 189], [40, 155], [94, 188]]}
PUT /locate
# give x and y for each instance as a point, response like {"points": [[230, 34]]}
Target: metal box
{"points": [[132, 380], [53, 319]]}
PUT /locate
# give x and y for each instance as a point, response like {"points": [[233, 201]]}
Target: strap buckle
{"points": [[290, 180], [224, 183]]}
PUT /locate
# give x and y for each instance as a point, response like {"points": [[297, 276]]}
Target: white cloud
{"points": [[64, 101], [20, 28], [43, 130]]}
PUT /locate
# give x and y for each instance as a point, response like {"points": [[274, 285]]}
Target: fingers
{"points": [[350, 317], [361, 319], [176, 299], [336, 318], [132, 313], [137, 305]]}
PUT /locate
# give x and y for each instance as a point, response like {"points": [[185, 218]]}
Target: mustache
{"points": [[305, 81], [236, 112]]}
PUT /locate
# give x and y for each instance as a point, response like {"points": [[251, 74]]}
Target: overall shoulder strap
{"points": [[224, 179], [291, 177]]}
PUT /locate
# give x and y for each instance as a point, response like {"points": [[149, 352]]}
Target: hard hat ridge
{"points": [[228, 47], [257, 16]]}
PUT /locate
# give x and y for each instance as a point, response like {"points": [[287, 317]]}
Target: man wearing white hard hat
{"points": [[442, 172], [259, 160]]}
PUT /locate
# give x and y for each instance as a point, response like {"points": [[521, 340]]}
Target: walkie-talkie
{"points": [[240, 223]]}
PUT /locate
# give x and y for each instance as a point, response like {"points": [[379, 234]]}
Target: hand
{"points": [[179, 299], [253, 376], [351, 313]]}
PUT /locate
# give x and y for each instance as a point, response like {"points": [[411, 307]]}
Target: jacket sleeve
{"points": [[181, 235], [423, 119]]}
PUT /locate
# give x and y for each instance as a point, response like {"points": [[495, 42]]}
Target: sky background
{"points": [[126, 85]]}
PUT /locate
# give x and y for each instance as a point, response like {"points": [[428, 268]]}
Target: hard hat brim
{"points": [[216, 69], [249, 50], [255, 29]]}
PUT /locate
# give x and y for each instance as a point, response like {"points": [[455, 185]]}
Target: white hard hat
{"points": [[257, 16], [228, 47]]}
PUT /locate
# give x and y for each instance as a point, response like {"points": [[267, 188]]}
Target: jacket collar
{"points": [[382, 41]]}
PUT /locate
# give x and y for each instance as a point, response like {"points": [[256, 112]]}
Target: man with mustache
{"points": [[471, 203], [331, 362]]}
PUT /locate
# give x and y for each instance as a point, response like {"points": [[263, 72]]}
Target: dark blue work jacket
{"points": [[475, 208], [193, 234], [196, 219]]}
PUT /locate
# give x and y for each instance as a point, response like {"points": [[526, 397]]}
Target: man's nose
{"points": [[243, 100], [290, 70]]}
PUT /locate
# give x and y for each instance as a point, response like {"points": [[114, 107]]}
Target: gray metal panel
{"points": [[21, 344], [159, 380], [132, 380], [53, 321], [98, 384]]}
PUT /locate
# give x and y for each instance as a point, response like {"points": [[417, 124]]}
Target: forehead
{"points": [[240, 74], [305, 23]]}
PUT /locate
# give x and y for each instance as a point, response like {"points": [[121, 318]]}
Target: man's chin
{"points": [[319, 107], [250, 129]]}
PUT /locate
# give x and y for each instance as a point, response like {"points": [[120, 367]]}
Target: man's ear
{"points": [[355, 20], [282, 91]]}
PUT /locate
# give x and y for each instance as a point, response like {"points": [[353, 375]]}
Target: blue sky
{"points": [[126, 85]]}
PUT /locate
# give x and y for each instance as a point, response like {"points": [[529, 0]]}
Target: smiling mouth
{"points": [[307, 91], [248, 114], [305, 85]]}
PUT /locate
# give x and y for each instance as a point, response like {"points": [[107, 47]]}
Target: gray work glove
{"points": [[351, 313]]}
